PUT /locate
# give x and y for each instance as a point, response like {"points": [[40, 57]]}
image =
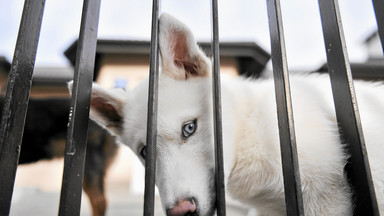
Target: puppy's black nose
{"points": [[183, 207]]}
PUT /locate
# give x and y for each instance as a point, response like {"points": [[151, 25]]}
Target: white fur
{"points": [[251, 139]]}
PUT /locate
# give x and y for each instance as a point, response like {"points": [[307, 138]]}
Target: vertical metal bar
{"points": [[217, 117], [150, 162], [291, 173], [358, 170], [378, 5], [70, 198], [17, 97]]}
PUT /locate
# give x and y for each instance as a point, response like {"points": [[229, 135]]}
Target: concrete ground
{"points": [[38, 185]]}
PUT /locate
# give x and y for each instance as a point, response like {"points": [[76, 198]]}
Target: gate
{"points": [[19, 84]]}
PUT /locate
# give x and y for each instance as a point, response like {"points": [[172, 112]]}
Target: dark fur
{"points": [[44, 138]]}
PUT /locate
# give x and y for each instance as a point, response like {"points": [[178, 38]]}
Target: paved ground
{"points": [[37, 190], [34, 202]]}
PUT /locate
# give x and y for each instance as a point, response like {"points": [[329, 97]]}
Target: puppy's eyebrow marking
{"points": [[169, 134], [167, 137]]}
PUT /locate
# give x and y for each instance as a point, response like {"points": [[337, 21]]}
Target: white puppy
{"points": [[185, 161]]}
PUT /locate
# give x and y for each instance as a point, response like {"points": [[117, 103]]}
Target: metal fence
{"points": [[19, 84]]}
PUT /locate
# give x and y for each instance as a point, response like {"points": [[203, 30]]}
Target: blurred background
{"points": [[243, 20], [122, 60]]}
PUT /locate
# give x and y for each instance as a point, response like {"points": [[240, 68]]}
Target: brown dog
{"points": [[44, 138]]}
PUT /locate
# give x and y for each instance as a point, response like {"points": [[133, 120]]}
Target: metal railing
{"points": [[150, 161], [71, 189], [347, 112], [17, 97], [19, 84], [291, 173]]}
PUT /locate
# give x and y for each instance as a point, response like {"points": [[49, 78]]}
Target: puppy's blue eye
{"points": [[189, 128]]}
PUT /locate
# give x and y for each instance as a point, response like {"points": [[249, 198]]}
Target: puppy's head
{"points": [[185, 163]]}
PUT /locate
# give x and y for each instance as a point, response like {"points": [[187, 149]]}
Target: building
{"points": [[47, 82], [124, 63], [373, 46], [373, 67]]}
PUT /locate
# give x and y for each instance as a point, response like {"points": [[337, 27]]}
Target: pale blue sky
{"points": [[239, 20]]}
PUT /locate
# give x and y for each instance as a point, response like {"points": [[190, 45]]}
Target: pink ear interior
{"points": [[108, 110], [181, 54], [179, 51]]}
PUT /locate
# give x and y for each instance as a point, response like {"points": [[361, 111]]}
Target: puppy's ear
{"points": [[180, 55], [106, 107]]}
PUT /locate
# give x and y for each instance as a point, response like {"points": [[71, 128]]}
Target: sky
{"points": [[239, 20]]}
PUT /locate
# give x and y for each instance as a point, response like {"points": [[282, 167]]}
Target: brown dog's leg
{"points": [[94, 188], [101, 150]]}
